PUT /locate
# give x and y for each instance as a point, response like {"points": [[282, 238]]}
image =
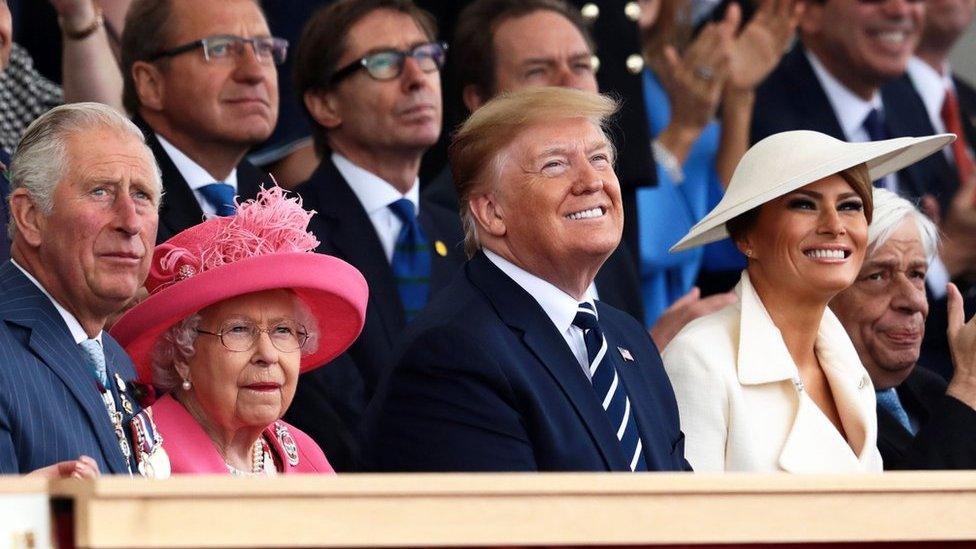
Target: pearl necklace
{"points": [[261, 462]]}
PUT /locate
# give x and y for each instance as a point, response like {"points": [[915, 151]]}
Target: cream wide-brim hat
{"points": [[784, 162]]}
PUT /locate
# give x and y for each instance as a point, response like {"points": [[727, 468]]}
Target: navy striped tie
{"points": [[608, 387], [411, 260]]}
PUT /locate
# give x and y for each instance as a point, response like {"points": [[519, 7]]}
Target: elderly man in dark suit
{"points": [[84, 208], [369, 74], [923, 423], [200, 78], [513, 367]]}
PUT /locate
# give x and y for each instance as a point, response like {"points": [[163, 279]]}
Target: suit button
{"points": [[590, 11], [635, 63], [632, 10]]}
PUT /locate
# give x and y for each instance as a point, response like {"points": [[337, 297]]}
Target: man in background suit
{"points": [[513, 367], [84, 197], [834, 81], [369, 73], [200, 78], [923, 423]]}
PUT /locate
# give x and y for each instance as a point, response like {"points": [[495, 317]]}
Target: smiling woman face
{"points": [[810, 242], [253, 388]]}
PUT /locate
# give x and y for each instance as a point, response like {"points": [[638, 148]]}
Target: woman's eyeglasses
{"points": [[240, 335]]}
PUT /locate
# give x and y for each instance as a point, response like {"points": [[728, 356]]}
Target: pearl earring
{"points": [[187, 385]]}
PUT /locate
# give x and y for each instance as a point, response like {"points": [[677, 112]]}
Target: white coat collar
{"points": [[813, 443]]}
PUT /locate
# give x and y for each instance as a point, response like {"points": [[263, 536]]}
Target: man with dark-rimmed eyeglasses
{"points": [[369, 75], [200, 79]]}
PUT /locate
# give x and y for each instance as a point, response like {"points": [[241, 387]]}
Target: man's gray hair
{"points": [[890, 210], [41, 158], [176, 345]]}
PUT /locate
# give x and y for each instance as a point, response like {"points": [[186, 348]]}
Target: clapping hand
{"points": [[762, 43]]}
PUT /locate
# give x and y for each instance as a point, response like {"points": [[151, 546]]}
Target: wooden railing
{"points": [[519, 510]]}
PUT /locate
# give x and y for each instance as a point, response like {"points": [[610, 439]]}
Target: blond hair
{"points": [[475, 150]]}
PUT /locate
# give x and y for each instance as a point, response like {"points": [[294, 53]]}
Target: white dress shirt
{"points": [[850, 109], [77, 332], [195, 175], [376, 195], [559, 306], [931, 87]]}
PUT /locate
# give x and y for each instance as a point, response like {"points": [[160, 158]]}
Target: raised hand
{"points": [[762, 43], [962, 347], [689, 307]]}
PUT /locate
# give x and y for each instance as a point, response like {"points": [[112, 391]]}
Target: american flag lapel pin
{"points": [[626, 354]]}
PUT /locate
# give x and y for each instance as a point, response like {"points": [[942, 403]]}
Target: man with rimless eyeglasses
{"points": [[200, 80], [369, 75]]}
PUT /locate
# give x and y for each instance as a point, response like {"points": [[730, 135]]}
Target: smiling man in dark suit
{"points": [[200, 79], [513, 367], [369, 73], [83, 203]]}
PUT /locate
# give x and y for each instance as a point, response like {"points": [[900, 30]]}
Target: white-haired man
{"points": [[922, 422], [84, 201]]}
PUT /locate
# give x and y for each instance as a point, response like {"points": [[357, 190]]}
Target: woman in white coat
{"points": [[773, 382]]}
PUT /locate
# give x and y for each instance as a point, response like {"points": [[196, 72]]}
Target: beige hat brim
{"points": [[784, 162]]}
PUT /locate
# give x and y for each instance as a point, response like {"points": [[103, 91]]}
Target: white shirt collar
{"points": [[373, 192], [849, 107], [194, 174], [77, 332], [558, 305], [931, 87]]}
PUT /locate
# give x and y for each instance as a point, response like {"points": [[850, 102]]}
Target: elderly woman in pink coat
{"points": [[238, 307]]}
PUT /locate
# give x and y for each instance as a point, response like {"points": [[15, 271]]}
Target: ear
{"points": [[488, 213], [28, 217], [324, 108], [472, 98], [183, 369], [149, 85], [811, 22], [744, 244]]}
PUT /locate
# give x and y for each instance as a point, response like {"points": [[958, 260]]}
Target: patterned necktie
{"points": [[960, 148], [221, 197], [608, 388], [411, 260], [95, 359], [888, 400]]}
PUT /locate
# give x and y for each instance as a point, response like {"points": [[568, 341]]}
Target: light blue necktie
{"points": [[608, 387], [888, 400], [221, 197], [411, 259], [95, 358]]}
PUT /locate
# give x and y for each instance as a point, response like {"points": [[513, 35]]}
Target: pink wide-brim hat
{"points": [[265, 246]]}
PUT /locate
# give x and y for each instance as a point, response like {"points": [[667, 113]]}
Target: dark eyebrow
{"points": [[819, 196]]}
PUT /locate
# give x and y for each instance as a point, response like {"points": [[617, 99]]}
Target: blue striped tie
{"points": [[411, 260], [221, 197], [608, 388]]}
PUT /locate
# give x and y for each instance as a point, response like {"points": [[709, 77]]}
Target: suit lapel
{"points": [[180, 209], [810, 95], [635, 386], [443, 229], [523, 314], [53, 345], [250, 179], [349, 233]]}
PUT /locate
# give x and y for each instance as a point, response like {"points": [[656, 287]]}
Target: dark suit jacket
{"points": [[180, 209], [344, 230], [50, 407], [946, 437], [484, 382], [791, 98], [4, 213], [967, 107], [617, 282]]}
